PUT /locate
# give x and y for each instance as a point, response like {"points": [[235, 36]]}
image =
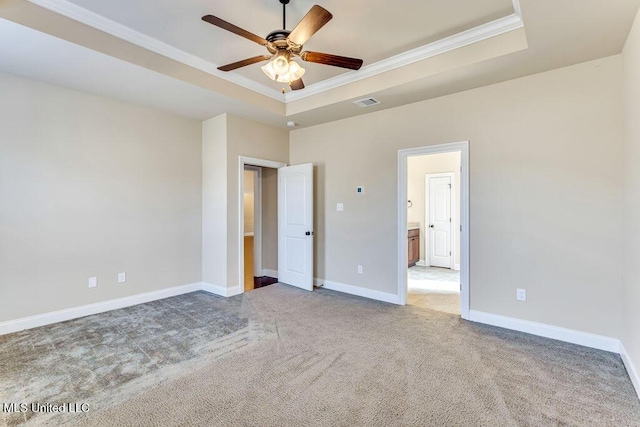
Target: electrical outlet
{"points": [[521, 294], [122, 277], [93, 282], [340, 207], [359, 269]]}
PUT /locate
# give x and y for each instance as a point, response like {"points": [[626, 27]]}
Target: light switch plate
{"points": [[122, 277], [521, 294], [92, 282], [340, 207]]}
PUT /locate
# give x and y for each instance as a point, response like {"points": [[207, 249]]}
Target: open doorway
{"points": [[284, 250], [433, 228], [260, 224], [433, 191]]}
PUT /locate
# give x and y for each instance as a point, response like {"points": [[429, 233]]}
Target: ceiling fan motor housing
{"points": [[278, 39]]}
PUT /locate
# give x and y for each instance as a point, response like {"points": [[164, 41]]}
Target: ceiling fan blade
{"points": [[335, 60], [315, 19], [244, 63], [214, 20], [297, 84]]}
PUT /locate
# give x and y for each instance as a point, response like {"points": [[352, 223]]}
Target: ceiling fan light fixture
{"points": [[281, 62], [269, 71], [295, 71]]}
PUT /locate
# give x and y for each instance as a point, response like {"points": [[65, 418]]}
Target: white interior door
{"points": [[295, 226], [440, 221]]}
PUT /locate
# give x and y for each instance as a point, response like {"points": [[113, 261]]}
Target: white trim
{"points": [[222, 291], [548, 331], [421, 263], [16, 325], [631, 369], [270, 273], [257, 217], [253, 161], [123, 32], [357, 290], [456, 41], [242, 162], [403, 155], [249, 234], [517, 9], [427, 219], [456, 267]]}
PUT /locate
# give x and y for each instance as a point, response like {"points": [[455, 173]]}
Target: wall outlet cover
{"points": [[521, 294], [122, 277], [360, 189], [340, 207], [92, 282]]}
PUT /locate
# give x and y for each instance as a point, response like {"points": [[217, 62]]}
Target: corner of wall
{"points": [[214, 199], [630, 348]]}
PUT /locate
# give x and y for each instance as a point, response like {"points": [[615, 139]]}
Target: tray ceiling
{"points": [[369, 29]]}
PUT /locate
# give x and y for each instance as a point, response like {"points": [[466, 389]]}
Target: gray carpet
{"points": [[328, 359]]}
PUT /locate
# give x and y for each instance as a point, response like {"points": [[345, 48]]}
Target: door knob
{"points": [[431, 226], [309, 233]]}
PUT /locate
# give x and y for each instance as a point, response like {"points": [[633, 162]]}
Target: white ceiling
{"points": [[367, 29], [558, 33], [29, 53]]}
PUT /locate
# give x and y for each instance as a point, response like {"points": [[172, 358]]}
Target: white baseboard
{"points": [[631, 369], [270, 273], [236, 290], [422, 263], [16, 325], [456, 267], [548, 331], [223, 291], [357, 290]]}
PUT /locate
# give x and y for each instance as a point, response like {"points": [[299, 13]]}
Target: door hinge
{"points": [[461, 229], [449, 253], [449, 219], [460, 287], [449, 186]]}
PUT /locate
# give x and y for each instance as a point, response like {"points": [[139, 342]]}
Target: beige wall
{"points": [[92, 187], [417, 168], [214, 201], [251, 139], [631, 208], [225, 139], [545, 192], [270, 219], [249, 195]]}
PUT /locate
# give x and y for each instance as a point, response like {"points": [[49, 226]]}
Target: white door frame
{"points": [[257, 218], [427, 190], [242, 162], [403, 155]]}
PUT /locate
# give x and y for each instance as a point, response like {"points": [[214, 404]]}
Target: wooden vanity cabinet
{"points": [[414, 246]]}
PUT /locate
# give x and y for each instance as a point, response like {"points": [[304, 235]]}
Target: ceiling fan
{"points": [[284, 45]]}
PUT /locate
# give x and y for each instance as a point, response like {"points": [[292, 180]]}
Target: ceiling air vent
{"points": [[367, 102]]}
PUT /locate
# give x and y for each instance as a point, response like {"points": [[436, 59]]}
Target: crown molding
{"points": [[120, 31], [456, 41], [516, 8]]}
